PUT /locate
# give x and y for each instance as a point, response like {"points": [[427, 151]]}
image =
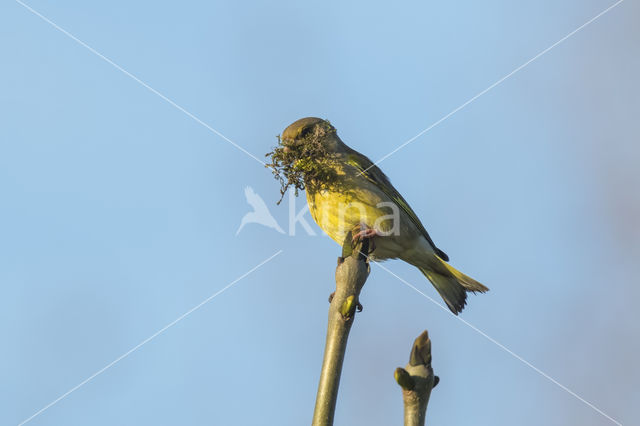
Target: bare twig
{"points": [[351, 274], [417, 380]]}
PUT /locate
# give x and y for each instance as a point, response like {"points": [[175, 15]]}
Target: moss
{"points": [[304, 162]]}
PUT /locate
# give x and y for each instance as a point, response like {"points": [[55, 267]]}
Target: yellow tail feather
{"points": [[467, 282], [452, 284]]}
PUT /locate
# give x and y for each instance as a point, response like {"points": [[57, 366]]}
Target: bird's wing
{"points": [[373, 174]]}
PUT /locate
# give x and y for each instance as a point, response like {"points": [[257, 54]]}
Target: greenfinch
{"points": [[346, 192]]}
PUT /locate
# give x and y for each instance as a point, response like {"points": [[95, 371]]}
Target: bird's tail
{"points": [[452, 284]]}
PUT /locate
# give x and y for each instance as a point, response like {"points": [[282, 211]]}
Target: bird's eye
{"points": [[305, 131]]}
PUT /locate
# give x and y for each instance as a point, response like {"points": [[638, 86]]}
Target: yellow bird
{"points": [[347, 192]]}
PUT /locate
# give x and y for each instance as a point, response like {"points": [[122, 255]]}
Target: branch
{"points": [[351, 274], [417, 380]]}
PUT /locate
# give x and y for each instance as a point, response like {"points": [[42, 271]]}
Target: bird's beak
{"points": [[288, 144]]}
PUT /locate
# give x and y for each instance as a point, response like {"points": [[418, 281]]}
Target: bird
{"points": [[260, 213], [346, 192]]}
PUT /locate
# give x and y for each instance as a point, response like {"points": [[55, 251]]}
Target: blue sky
{"points": [[119, 211]]}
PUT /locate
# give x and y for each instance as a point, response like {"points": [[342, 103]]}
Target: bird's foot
{"points": [[362, 231]]}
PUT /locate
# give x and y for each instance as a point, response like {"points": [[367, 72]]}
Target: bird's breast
{"points": [[338, 212]]}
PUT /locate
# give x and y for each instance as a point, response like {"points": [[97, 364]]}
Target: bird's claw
{"points": [[362, 231]]}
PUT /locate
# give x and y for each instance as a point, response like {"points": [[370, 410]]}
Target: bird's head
{"points": [[306, 155], [309, 131]]}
